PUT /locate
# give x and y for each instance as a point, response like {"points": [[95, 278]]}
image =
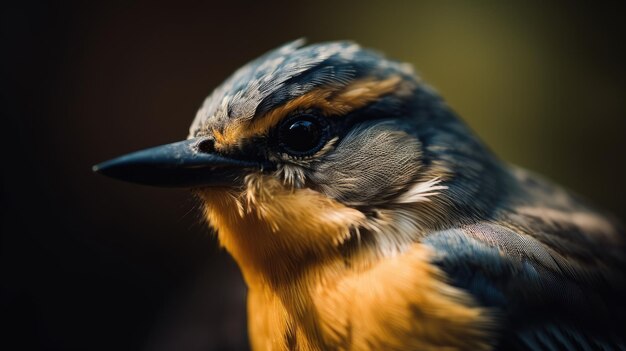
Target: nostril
{"points": [[206, 146]]}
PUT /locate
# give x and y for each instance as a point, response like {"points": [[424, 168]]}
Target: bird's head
{"points": [[316, 152]]}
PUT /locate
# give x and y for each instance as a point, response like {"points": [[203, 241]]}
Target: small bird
{"points": [[365, 215]]}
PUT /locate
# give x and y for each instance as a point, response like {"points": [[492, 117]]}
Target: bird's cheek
{"points": [[301, 215]]}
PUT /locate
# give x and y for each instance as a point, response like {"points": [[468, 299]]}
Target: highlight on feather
{"points": [[590, 222], [420, 192], [292, 176]]}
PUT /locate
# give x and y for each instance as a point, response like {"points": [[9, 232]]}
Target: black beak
{"points": [[188, 163]]}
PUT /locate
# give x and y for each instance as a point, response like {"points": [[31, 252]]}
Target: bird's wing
{"points": [[552, 293]]}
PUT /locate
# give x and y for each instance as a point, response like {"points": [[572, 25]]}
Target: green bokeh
{"points": [[542, 85]]}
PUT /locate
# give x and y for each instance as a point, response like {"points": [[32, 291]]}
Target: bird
{"points": [[364, 214]]}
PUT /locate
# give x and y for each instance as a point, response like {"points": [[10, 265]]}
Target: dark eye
{"points": [[302, 135]]}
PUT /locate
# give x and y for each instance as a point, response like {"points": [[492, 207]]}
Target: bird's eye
{"points": [[302, 135]]}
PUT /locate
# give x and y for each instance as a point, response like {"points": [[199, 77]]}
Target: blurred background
{"points": [[89, 263]]}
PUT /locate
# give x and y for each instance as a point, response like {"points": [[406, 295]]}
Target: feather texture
{"points": [[558, 285]]}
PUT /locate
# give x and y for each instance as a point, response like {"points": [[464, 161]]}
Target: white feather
{"points": [[420, 192]]}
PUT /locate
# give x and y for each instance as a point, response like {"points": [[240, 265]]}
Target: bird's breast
{"points": [[401, 302], [305, 294]]}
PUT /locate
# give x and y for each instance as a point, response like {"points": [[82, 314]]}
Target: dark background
{"points": [[89, 263]]}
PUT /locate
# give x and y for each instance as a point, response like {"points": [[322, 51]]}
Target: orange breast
{"points": [[303, 295], [397, 303]]}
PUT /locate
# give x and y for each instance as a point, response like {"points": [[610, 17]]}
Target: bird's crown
{"points": [[293, 71]]}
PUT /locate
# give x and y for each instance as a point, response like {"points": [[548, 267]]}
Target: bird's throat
{"points": [[274, 232]]}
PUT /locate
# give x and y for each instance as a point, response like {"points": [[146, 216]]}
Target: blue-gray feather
{"points": [[542, 306]]}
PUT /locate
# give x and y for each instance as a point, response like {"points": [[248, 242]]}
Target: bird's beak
{"points": [[182, 164]]}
